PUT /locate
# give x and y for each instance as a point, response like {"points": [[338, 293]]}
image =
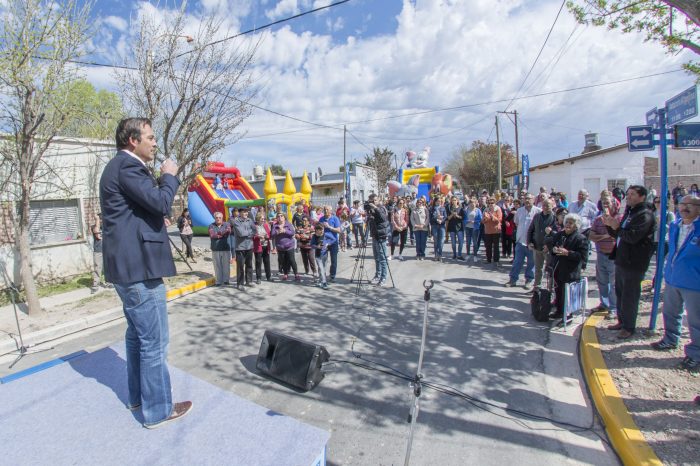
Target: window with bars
{"points": [[54, 221], [619, 183]]}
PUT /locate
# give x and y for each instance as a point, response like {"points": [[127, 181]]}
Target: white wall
{"points": [[76, 166], [569, 177], [51, 262]]}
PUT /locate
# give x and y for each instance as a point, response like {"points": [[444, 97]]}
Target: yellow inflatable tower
{"points": [[286, 200]]}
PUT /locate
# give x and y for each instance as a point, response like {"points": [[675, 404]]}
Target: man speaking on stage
{"points": [[137, 255]]}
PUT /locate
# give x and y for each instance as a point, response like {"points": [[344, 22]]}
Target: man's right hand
{"points": [[168, 166]]}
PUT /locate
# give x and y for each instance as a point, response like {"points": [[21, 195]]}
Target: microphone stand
{"points": [[415, 385], [179, 252], [22, 349]]}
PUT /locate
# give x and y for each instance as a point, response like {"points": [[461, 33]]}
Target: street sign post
{"points": [[687, 136], [653, 118], [682, 107], [640, 138]]}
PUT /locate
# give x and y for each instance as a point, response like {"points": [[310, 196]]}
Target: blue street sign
{"points": [[640, 138], [682, 107], [687, 136], [653, 118]]}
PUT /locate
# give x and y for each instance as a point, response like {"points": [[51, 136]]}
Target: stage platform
{"points": [[73, 412]]}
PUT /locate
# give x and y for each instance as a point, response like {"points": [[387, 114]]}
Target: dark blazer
{"points": [[135, 240], [635, 237]]}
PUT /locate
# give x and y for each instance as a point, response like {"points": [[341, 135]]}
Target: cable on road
{"points": [[485, 405]]}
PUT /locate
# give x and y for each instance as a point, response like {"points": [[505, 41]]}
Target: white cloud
{"points": [[283, 8], [450, 54], [442, 54], [116, 22]]}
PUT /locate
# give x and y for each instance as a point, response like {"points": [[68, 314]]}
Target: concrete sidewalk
{"points": [[68, 313]]}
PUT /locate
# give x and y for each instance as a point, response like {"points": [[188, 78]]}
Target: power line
{"points": [[560, 53], [541, 94], [300, 130], [561, 7], [361, 143], [436, 136], [460, 107], [249, 31], [266, 26]]}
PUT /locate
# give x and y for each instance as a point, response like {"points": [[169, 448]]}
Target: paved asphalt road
{"points": [[481, 341]]}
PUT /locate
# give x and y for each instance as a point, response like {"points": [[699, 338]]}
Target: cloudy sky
{"points": [[409, 74]]}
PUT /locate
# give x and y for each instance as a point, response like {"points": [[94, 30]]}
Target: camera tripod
{"points": [[22, 349], [359, 274]]}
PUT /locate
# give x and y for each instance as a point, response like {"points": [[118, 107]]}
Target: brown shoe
{"points": [[617, 326], [179, 411], [624, 334]]}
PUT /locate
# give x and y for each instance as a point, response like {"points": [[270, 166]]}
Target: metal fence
{"points": [[325, 200]]}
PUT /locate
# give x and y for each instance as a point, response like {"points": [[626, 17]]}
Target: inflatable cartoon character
{"points": [[422, 158], [403, 190], [410, 157], [441, 184]]}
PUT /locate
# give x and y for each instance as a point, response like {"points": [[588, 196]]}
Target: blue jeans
{"points": [[421, 242], [471, 236], [333, 251], [380, 258], [522, 252], [147, 338], [321, 266], [438, 238], [674, 301], [459, 235], [605, 277]]}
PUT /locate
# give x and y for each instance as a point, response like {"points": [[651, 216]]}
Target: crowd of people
{"points": [[545, 234], [546, 239]]}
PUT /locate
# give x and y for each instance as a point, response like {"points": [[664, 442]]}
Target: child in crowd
{"points": [[319, 244], [345, 228]]}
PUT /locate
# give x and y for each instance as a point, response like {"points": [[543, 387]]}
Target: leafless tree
{"points": [[194, 86], [38, 39]]}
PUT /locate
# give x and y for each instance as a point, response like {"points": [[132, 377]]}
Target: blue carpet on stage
{"points": [[74, 413]]}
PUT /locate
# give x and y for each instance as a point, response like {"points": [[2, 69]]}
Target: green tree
{"points": [[673, 23], [94, 114], [38, 40], [384, 162], [277, 170], [476, 166]]}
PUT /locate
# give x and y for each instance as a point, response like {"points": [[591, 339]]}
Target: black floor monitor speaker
{"points": [[291, 360]]}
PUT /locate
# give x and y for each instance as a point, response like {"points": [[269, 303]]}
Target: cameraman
{"points": [[379, 227]]}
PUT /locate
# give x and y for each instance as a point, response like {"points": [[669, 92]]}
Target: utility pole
{"points": [[517, 152], [498, 144], [345, 167], [517, 144]]}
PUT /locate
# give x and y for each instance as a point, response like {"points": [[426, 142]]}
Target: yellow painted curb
{"points": [[187, 289], [628, 441]]}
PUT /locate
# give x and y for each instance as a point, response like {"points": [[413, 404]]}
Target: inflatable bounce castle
{"points": [[417, 174], [289, 195], [218, 189]]}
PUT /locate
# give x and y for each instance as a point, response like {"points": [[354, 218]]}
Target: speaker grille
{"points": [[291, 360]]}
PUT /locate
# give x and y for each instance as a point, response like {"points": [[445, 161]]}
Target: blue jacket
{"points": [[682, 268], [135, 241], [477, 217]]}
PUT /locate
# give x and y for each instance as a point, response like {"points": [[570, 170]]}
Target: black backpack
{"points": [[541, 301]]}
